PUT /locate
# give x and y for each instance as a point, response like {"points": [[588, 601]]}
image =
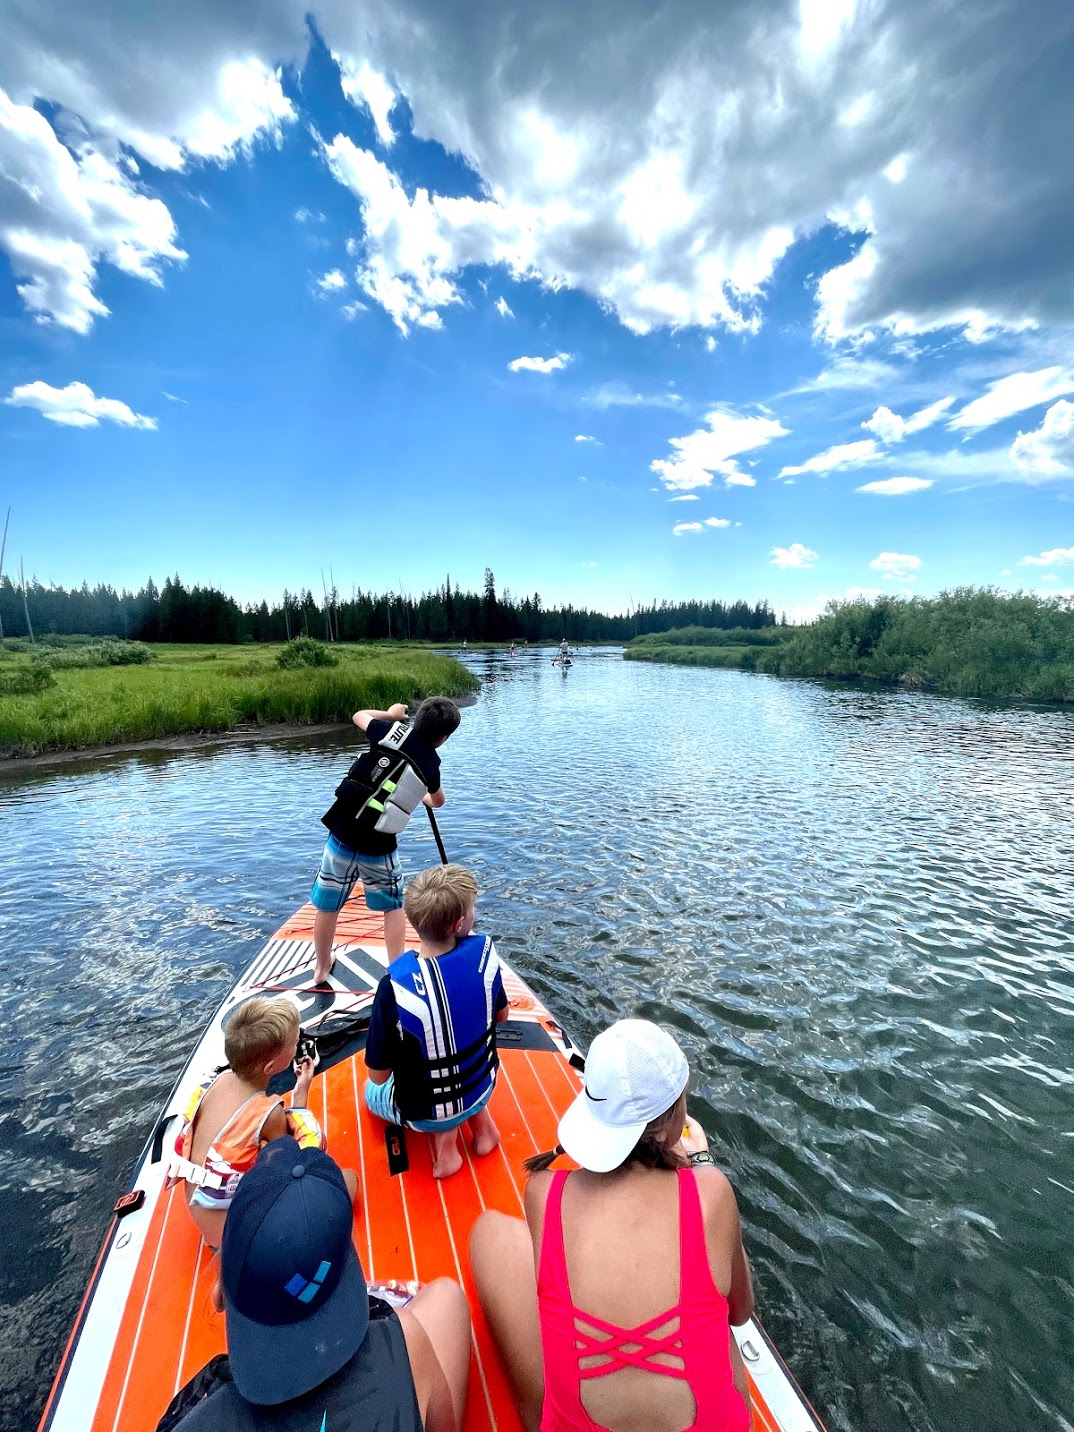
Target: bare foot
{"points": [[320, 976], [485, 1134], [447, 1158], [350, 1178]]}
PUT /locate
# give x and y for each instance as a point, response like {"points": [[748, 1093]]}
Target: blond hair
{"points": [[437, 899], [256, 1033]]}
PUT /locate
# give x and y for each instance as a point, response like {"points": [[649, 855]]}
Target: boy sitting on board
{"points": [[231, 1116], [383, 787], [431, 1050]]}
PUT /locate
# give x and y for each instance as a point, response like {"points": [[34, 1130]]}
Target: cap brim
{"points": [[596, 1146], [275, 1364]]}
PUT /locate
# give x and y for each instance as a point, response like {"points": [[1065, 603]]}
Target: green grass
{"points": [[742, 657], [206, 689]]}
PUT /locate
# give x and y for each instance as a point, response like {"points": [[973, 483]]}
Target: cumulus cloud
{"points": [[65, 213], [76, 406], [503, 308], [669, 211], [586, 438], [1056, 557], [540, 365], [890, 428], [699, 457], [896, 566], [796, 555], [717, 522], [365, 86], [332, 281], [681, 527], [842, 455], [1048, 451], [896, 486], [1014, 394]]}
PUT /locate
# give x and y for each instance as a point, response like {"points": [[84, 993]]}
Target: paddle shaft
{"points": [[436, 836]]}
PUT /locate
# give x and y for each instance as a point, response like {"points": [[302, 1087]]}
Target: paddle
{"points": [[436, 836]]}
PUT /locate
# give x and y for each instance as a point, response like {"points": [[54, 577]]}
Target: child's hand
{"points": [[694, 1139], [304, 1078], [398, 711]]}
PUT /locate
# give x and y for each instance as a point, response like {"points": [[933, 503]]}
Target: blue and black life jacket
{"points": [[448, 1006]]}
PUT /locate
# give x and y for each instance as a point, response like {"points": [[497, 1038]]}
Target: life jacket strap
{"points": [[181, 1168]]}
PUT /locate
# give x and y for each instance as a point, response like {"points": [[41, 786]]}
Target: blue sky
{"points": [[792, 316]]}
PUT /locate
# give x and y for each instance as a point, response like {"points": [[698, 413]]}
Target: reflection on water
{"points": [[853, 906]]}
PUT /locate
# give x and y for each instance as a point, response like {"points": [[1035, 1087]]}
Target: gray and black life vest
{"points": [[381, 790]]}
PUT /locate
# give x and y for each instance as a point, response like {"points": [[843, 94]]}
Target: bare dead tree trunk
{"points": [[3, 546], [25, 603]]}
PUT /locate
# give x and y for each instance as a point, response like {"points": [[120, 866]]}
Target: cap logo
{"points": [[597, 1098], [306, 1290]]}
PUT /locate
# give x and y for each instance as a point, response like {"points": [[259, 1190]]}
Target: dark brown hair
{"points": [[655, 1149], [435, 719]]}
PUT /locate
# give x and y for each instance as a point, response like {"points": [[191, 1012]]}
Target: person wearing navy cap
{"points": [[306, 1347]]}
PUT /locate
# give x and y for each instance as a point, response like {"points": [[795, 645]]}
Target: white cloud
{"points": [[796, 555], [365, 86], [332, 281], [896, 486], [615, 395], [171, 397], [704, 453], [503, 308], [896, 566], [1056, 557], [76, 406], [710, 344], [681, 527], [306, 216], [1048, 451], [851, 373], [63, 214], [890, 428], [842, 455], [717, 522], [585, 438], [685, 497], [1014, 394], [540, 365]]}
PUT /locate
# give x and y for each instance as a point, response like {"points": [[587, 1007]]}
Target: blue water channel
{"points": [[854, 907]]}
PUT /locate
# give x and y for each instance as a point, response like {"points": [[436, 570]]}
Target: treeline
{"points": [[966, 642], [175, 613]]}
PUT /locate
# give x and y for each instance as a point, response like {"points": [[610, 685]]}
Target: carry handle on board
{"points": [[395, 1143]]}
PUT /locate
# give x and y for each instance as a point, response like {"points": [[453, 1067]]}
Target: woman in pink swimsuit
{"points": [[612, 1303]]}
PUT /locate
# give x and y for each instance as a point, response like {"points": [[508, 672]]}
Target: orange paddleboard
{"points": [[147, 1324]]}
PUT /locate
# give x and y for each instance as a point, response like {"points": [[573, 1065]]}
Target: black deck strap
{"points": [[158, 1137], [577, 1061], [395, 1143], [524, 1034]]}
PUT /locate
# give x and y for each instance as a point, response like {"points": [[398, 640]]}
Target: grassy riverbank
{"points": [[741, 648], [966, 642], [184, 689]]}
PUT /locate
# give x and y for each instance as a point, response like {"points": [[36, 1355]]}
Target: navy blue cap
{"points": [[296, 1302]]}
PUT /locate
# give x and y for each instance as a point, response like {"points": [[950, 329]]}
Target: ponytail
{"points": [[539, 1162]]}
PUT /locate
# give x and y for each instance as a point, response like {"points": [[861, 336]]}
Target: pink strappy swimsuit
{"points": [[699, 1340]]}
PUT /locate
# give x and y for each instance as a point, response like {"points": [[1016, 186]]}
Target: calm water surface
{"points": [[854, 907]]}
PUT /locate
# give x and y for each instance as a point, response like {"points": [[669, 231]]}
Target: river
{"points": [[853, 906]]}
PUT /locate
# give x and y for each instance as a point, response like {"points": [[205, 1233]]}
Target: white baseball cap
{"points": [[634, 1072]]}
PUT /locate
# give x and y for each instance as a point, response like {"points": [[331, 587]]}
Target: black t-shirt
{"points": [[374, 1392], [340, 817]]}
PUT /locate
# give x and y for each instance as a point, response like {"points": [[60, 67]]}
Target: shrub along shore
{"points": [[966, 642], [82, 694]]}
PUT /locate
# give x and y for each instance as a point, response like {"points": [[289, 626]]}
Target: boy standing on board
{"points": [[373, 803], [431, 1049]]}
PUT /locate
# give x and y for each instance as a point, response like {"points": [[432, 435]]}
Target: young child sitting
{"points": [[230, 1116], [431, 1050], [399, 770]]}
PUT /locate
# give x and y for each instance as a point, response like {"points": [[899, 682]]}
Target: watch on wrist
{"points": [[701, 1156]]}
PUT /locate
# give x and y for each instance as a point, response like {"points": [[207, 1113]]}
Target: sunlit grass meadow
{"points": [[190, 689]]}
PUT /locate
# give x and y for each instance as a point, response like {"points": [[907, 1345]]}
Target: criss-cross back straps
{"points": [[617, 1345]]}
